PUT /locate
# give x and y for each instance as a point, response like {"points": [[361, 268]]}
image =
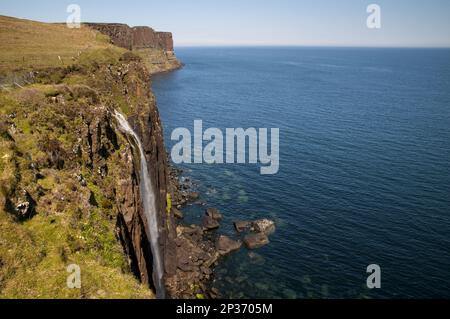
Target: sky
{"points": [[404, 23]]}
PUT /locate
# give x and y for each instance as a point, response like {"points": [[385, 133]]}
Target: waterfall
{"points": [[150, 210]]}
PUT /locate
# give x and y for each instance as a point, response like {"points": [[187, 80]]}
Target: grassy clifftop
{"points": [[28, 45], [61, 161]]}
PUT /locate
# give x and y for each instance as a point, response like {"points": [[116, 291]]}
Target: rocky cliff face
{"points": [[145, 37], [155, 48], [135, 38], [69, 178], [67, 116]]}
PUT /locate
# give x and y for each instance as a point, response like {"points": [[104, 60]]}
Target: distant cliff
{"points": [[144, 41], [135, 38]]}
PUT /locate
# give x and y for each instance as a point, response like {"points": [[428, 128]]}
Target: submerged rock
{"points": [[256, 258], [226, 245], [194, 196], [254, 241]]}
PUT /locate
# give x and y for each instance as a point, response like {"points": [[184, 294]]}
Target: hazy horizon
{"points": [[320, 23]]}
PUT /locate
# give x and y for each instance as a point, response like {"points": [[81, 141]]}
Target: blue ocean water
{"points": [[364, 166]]}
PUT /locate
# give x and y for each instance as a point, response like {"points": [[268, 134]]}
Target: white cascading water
{"points": [[150, 210]]}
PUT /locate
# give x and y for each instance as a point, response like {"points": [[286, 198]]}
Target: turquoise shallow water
{"points": [[364, 165]]}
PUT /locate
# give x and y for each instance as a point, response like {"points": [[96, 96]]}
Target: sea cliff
{"points": [[156, 48], [70, 177]]}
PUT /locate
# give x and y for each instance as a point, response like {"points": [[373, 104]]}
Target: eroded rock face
{"points": [[120, 34], [145, 37], [146, 123], [135, 38], [165, 40], [100, 139]]}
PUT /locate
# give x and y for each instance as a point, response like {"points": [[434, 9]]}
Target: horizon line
{"points": [[256, 45], [306, 46]]}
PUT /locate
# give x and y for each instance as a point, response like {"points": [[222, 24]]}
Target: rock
{"points": [[206, 271], [25, 208], [81, 180], [177, 213], [254, 241], [264, 226], [226, 245], [214, 214], [210, 223], [242, 226], [214, 293], [194, 196]]}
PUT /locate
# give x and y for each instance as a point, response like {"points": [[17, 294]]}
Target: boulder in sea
{"points": [[210, 223], [254, 241], [214, 214], [226, 245], [265, 226], [242, 226]]}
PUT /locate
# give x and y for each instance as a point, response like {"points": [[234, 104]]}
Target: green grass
{"points": [[30, 45], [35, 258], [67, 227]]}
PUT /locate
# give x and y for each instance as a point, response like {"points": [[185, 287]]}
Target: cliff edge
{"points": [[69, 182], [156, 48]]}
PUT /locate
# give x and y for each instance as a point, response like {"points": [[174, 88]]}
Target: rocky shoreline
{"points": [[200, 247]]}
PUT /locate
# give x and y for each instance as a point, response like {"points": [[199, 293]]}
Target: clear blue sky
{"points": [[419, 23]]}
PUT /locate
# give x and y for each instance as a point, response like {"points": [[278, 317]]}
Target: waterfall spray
{"points": [[150, 210]]}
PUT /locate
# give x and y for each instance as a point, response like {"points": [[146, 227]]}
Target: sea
{"points": [[364, 166]]}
